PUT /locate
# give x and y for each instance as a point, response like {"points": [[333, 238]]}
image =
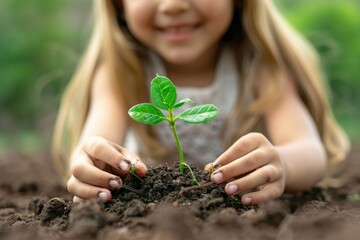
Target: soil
{"points": [[167, 205]]}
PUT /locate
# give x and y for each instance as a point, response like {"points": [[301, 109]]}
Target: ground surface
{"points": [[34, 206]]}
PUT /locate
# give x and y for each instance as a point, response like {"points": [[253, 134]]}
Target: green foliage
{"points": [[199, 114], [37, 58], [333, 27], [146, 113], [164, 96], [163, 93]]}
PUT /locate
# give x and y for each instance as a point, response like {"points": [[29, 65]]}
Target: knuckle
{"points": [[260, 153], [95, 145], [91, 140], [252, 135], [243, 146], [257, 136], [97, 149], [271, 173], [272, 153], [77, 169], [250, 161]]}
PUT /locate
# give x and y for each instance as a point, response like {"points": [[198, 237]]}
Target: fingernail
{"points": [[115, 183], [104, 196], [218, 177], [246, 200], [124, 165], [232, 189]]}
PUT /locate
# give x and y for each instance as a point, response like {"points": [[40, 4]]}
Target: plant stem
{"points": [[192, 174], [178, 144], [133, 173]]}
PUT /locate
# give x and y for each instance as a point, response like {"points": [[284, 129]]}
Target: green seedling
{"points": [[133, 173], [354, 197], [164, 98]]}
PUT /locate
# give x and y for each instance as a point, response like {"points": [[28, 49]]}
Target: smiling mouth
{"points": [[178, 29], [178, 32]]}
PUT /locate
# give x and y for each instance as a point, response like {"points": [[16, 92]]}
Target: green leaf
{"points": [[146, 113], [199, 114], [182, 102], [163, 92]]}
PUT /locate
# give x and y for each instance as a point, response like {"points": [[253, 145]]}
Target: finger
{"points": [[209, 167], [269, 192], [127, 153], [264, 175], [87, 173], [102, 150], [241, 147], [86, 191], [140, 167], [243, 165]]}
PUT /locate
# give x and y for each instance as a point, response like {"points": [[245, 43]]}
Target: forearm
{"points": [[304, 163]]}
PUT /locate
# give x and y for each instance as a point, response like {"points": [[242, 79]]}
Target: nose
{"points": [[173, 7]]}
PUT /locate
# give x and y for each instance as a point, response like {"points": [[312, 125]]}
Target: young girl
{"points": [[275, 131]]}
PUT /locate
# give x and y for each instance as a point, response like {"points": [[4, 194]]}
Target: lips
{"points": [[178, 32], [178, 28]]}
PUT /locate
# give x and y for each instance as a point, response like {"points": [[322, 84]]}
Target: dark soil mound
{"points": [[168, 205]]}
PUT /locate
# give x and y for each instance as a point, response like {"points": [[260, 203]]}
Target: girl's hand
{"points": [[251, 163], [97, 167]]}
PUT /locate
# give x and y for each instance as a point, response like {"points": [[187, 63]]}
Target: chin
{"points": [[180, 59]]}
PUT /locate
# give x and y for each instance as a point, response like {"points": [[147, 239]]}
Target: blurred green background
{"points": [[41, 42]]}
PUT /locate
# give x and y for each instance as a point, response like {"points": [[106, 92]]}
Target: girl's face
{"points": [[180, 31]]}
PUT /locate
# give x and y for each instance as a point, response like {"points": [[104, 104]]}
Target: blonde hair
{"points": [[261, 39]]}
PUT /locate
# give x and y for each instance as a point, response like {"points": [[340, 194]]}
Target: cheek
{"points": [[219, 14], [220, 25], [139, 19]]}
